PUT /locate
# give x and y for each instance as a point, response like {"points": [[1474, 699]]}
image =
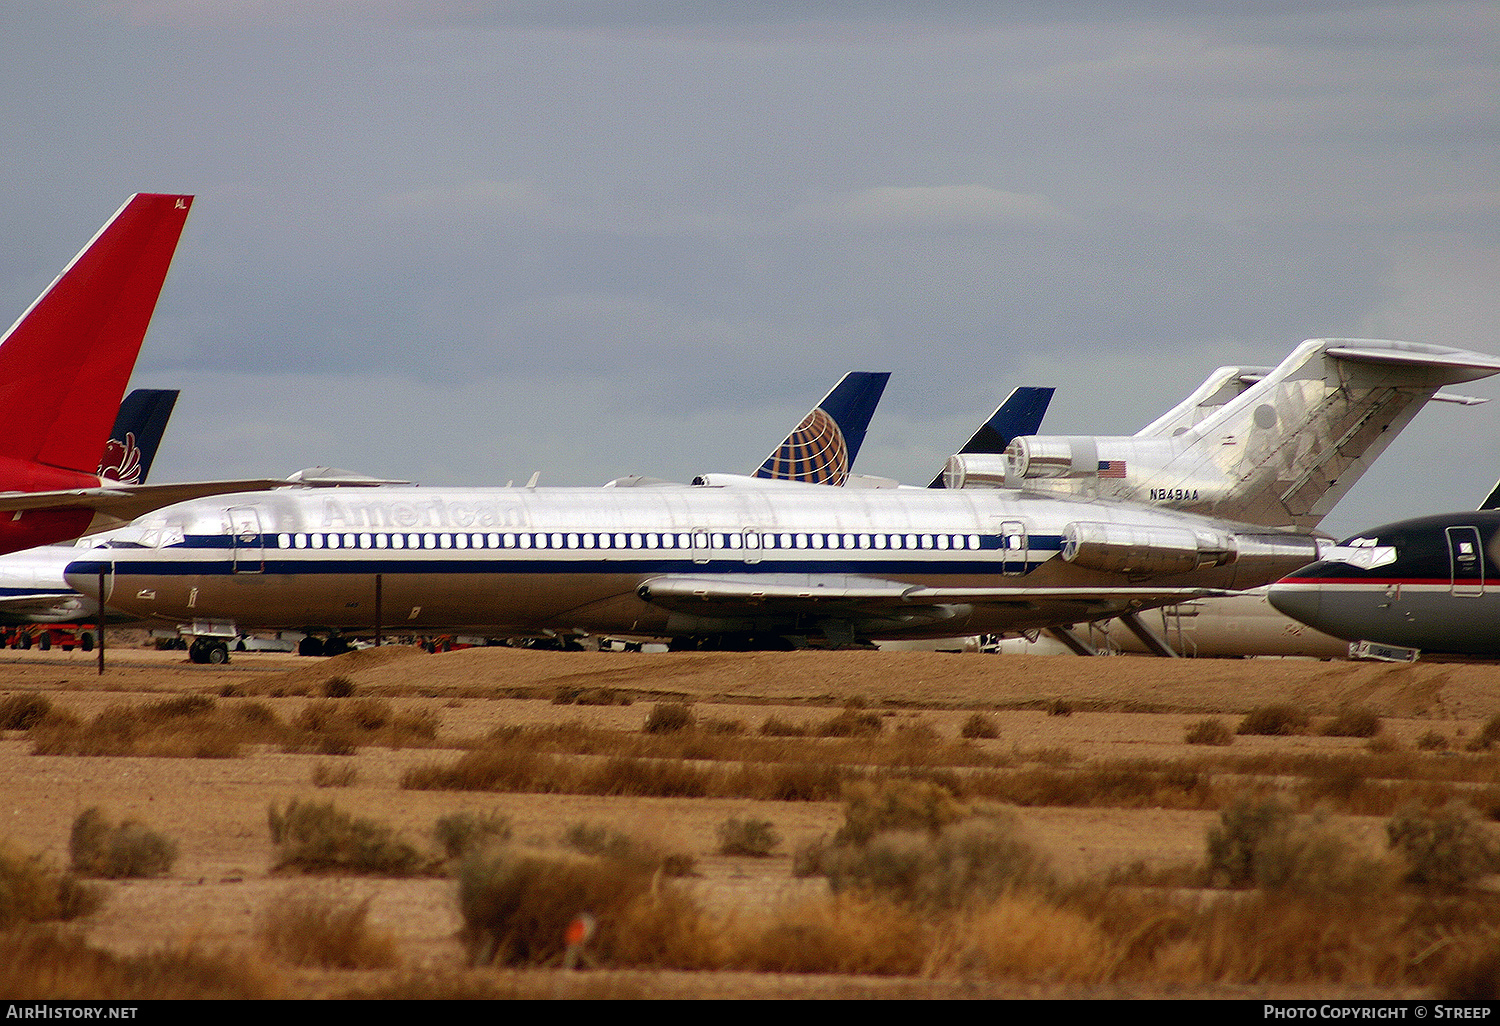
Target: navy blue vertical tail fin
{"points": [[1020, 414], [822, 448], [137, 432]]}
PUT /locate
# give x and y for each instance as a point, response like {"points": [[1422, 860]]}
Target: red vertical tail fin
{"points": [[65, 364]]}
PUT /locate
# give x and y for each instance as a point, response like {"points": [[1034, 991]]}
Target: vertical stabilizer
{"points": [[136, 435], [822, 448], [65, 364], [1020, 414]]}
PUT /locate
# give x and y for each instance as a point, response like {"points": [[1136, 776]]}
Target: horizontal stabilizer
{"points": [[125, 503], [1454, 363]]}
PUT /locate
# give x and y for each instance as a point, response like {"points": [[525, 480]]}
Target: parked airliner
{"points": [[1226, 504], [1429, 584]]}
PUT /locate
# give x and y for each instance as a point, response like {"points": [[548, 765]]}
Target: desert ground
{"points": [[1050, 712]]}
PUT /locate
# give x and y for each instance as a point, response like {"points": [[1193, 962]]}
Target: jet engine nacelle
{"points": [[975, 470], [1087, 457], [1129, 549]]}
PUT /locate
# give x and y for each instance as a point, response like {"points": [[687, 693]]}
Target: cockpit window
{"points": [[1366, 556]]}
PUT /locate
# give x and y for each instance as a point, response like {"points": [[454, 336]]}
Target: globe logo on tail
{"points": [[815, 453]]}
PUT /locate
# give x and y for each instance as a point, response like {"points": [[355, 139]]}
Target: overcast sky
{"points": [[460, 241]]}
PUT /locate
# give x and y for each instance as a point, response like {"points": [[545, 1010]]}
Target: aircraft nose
{"points": [[82, 575], [1298, 600]]}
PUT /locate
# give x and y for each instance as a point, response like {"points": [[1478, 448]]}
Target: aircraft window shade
{"points": [[525, 541], [283, 541], [509, 541], [817, 541], [349, 541], [429, 541], [300, 541], [365, 541], [880, 541], [833, 541], [864, 541], [460, 541], [752, 540], [414, 541], [539, 542], [651, 540], [380, 541], [445, 541], [572, 541], [588, 541], [684, 541], [398, 541], [494, 542], [333, 541], [637, 542], [604, 541], [734, 540], [620, 541], [557, 541], [668, 541], [942, 541]]}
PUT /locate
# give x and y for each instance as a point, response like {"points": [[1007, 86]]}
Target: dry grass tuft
{"points": [[755, 838], [1443, 849], [847, 935], [127, 850], [42, 965], [1209, 731], [979, 726], [460, 832], [517, 906], [325, 774], [1356, 721], [321, 838], [668, 718], [308, 930], [31, 891], [1275, 721], [22, 712]]}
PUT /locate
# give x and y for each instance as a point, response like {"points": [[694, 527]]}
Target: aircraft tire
{"points": [[86, 641], [25, 641], [310, 646], [44, 642], [217, 654]]}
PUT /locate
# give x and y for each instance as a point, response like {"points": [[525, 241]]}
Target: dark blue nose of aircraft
{"points": [[1300, 599]]}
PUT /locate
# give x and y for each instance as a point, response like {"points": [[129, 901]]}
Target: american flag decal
{"points": [[1112, 468]]}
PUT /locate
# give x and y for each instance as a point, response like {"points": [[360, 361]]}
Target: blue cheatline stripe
{"points": [[987, 542], [272, 565], [263, 552]]}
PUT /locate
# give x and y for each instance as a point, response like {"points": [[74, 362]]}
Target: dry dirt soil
{"points": [[216, 808]]}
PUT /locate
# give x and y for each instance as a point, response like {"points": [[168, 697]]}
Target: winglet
{"points": [[822, 448], [1020, 414], [64, 365]]}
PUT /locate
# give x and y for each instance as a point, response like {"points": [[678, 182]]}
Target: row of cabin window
{"points": [[703, 540]]}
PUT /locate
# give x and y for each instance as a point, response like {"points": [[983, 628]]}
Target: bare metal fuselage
{"points": [[672, 561]]}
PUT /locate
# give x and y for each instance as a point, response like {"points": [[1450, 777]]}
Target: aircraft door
{"points": [[1012, 547], [248, 553], [751, 543], [1466, 558]]}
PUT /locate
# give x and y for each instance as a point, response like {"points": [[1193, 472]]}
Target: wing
{"points": [[875, 599]]}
